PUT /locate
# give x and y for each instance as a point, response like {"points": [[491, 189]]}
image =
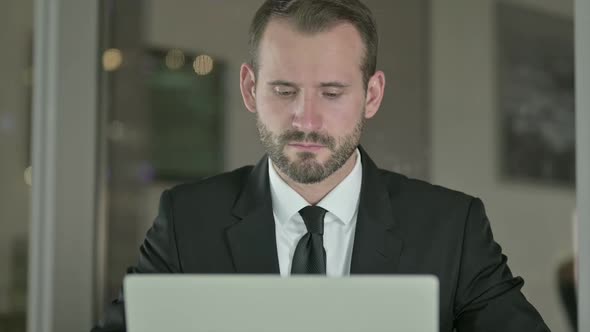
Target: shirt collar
{"points": [[342, 201]]}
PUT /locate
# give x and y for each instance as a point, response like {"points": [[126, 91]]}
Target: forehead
{"points": [[335, 53]]}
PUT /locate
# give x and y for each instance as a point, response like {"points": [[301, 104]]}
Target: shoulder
{"points": [[442, 211], [419, 193]]}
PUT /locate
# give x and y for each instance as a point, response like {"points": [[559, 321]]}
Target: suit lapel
{"points": [[377, 242], [252, 240]]}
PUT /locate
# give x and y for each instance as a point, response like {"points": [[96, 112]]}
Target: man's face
{"points": [[309, 98]]}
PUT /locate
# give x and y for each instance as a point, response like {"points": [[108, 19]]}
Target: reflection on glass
{"points": [[177, 115], [203, 64], [186, 116], [112, 59], [175, 59]]}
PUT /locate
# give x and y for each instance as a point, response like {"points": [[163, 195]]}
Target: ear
{"points": [[248, 86], [374, 95]]}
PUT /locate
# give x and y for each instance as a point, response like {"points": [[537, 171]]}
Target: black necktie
{"points": [[310, 255]]}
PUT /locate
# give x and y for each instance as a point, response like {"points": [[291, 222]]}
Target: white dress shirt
{"points": [[339, 222]]}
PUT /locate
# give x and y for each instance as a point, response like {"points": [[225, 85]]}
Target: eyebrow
{"points": [[332, 84], [283, 83]]}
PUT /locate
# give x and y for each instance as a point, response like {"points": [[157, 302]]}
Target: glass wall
{"points": [[479, 98]]}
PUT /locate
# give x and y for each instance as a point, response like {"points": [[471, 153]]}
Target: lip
{"points": [[306, 147]]}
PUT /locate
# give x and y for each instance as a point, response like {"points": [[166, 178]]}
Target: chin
{"points": [[302, 156]]}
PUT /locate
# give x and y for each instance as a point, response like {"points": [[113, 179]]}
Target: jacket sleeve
{"points": [[488, 297], [157, 254]]}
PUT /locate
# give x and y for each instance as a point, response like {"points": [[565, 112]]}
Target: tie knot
{"points": [[313, 216]]}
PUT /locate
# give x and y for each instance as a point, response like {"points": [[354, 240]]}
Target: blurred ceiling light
{"points": [[203, 64], [175, 59], [29, 175], [112, 59]]}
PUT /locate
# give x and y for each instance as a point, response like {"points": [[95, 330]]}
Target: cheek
{"points": [[343, 119], [273, 113]]}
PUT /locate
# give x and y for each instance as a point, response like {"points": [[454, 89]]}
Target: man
{"points": [[317, 203]]}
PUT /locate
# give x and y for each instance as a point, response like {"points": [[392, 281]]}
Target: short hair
{"points": [[312, 16]]}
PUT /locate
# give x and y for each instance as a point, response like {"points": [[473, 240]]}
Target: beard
{"points": [[305, 169]]}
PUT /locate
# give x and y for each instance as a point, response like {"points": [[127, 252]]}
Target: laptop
{"points": [[252, 303]]}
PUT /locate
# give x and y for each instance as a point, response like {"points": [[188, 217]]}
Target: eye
{"points": [[284, 91], [332, 95]]}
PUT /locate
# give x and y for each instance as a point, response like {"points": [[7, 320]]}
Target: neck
{"points": [[314, 192]]}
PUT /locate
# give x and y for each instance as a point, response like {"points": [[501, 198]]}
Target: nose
{"points": [[307, 116]]}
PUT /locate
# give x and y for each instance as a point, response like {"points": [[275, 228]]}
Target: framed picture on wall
{"points": [[535, 95]]}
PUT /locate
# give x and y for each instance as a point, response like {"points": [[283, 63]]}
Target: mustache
{"points": [[311, 137]]}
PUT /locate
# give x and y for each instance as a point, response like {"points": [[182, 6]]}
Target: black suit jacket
{"points": [[225, 224]]}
